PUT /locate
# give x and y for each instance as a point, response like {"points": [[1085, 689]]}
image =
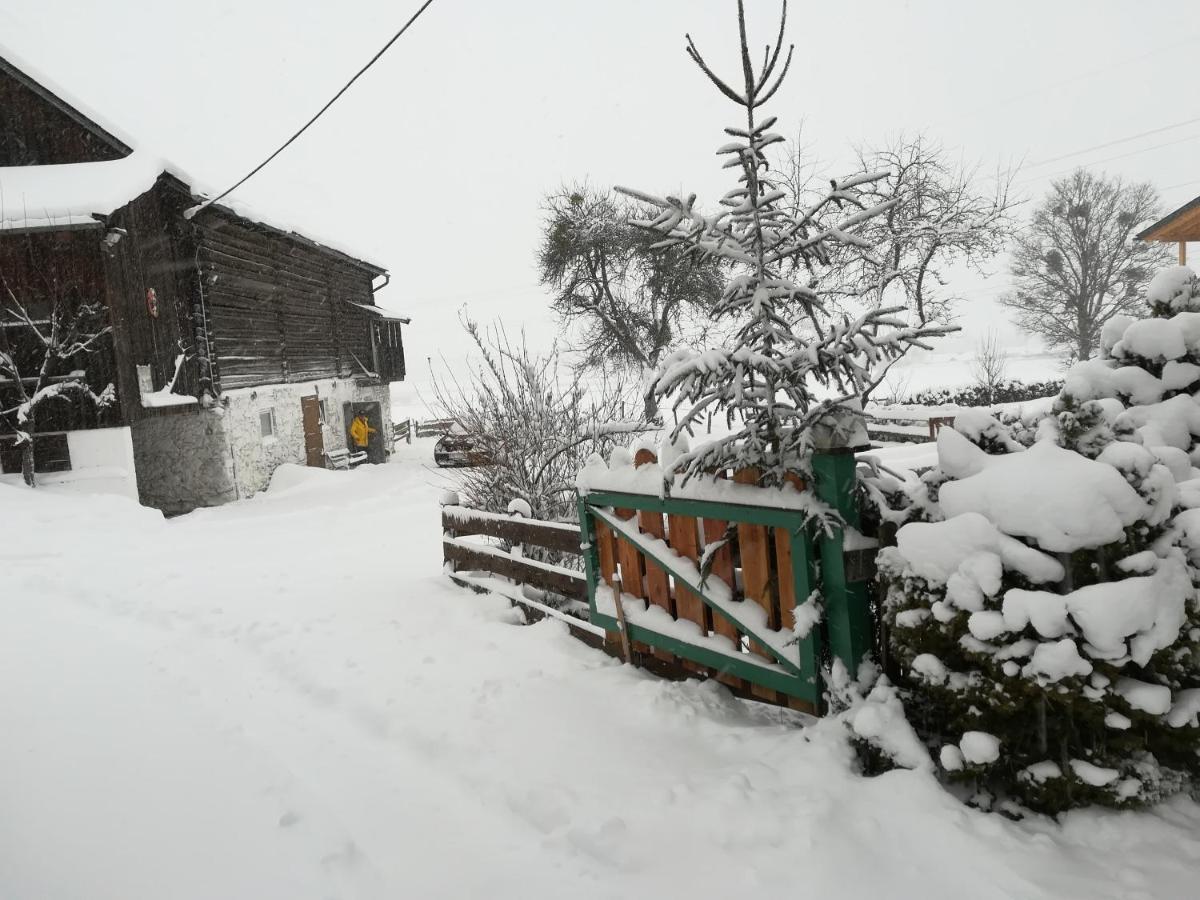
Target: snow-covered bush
{"points": [[1047, 618], [533, 421], [1007, 391]]}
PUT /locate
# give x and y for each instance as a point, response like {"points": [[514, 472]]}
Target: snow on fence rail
{"points": [[492, 567], [907, 429]]}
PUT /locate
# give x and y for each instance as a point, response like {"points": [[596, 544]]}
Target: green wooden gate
{"points": [[627, 550]]}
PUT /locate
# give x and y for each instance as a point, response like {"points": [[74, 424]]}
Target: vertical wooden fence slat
{"points": [[787, 578], [658, 585], [631, 566], [756, 575], [606, 552], [722, 567], [684, 537]]}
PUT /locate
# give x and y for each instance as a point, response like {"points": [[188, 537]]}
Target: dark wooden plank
{"points": [[516, 531], [522, 571]]}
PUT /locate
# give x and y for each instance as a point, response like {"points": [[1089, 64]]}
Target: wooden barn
{"points": [[233, 346]]}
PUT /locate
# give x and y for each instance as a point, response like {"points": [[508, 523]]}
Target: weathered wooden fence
{"points": [[775, 602], [779, 597], [472, 563], [406, 429], [906, 429]]}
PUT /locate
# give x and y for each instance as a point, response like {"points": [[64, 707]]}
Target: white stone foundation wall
{"points": [[255, 458], [209, 457]]}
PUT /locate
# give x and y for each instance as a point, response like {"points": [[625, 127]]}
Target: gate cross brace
{"points": [[677, 566]]}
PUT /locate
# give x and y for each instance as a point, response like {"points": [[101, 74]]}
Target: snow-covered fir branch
{"points": [[776, 377]]}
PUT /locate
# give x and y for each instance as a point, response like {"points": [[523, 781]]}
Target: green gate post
{"points": [[847, 606], [591, 553]]}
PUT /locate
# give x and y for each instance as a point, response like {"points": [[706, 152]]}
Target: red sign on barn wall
{"points": [[152, 303]]}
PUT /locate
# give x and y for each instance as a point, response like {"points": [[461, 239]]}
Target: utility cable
{"points": [[424, 6], [1132, 137]]}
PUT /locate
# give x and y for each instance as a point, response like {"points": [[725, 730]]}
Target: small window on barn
{"points": [[266, 423], [145, 380], [324, 410]]}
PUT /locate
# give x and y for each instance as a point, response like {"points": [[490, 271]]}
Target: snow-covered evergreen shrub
{"points": [[1048, 623]]}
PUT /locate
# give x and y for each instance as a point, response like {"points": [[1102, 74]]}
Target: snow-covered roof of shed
{"points": [[39, 198], [381, 311], [63, 100], [51, 197], [73, 194]]}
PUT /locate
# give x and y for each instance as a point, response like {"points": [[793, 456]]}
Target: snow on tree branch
{"points": [[775, 381]]}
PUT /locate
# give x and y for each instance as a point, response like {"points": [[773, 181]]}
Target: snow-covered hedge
{"points": [[1011, 391], [1041, 597]]}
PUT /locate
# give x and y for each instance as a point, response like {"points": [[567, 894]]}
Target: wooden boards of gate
{"points": [[765, 561]]}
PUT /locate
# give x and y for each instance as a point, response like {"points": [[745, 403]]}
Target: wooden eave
{"points": [[1180, 226], [66, 108]]}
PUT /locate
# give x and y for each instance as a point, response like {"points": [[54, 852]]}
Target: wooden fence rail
{"points": [[645, 599], [471, 563], [406, 429]]}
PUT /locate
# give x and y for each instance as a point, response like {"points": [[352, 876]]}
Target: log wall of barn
{"points": [[153, 253], [276, 307]]}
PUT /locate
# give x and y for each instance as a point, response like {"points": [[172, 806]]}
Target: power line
{"points": [[1043, 88], [1132, 137], [1171, 187], [320, 112], [1191, 137]]}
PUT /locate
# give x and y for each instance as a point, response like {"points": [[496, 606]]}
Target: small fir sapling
{"points": [[789, 365]]}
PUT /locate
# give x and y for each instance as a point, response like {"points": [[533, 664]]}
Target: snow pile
{"points": [[1173, 289], [310, 712], [1059, 499]]}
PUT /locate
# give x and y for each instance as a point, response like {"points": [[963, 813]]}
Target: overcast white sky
{"points": [[436, 162]]}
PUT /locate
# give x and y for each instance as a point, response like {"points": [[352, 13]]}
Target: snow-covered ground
{"points": [[284, 698]]}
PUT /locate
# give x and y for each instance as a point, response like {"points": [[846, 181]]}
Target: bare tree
{"points": [[1077, 265], [627, 300], [42, 346], [533, 421], [991, 362], [942, 213]]}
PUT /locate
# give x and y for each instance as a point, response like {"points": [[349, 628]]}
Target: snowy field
{"points": [[284, 698]]}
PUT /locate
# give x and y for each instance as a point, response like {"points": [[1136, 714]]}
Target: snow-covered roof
{"points": [[43, 197], [1182, 224], [72, 195], [381, 312], [63, 100]]}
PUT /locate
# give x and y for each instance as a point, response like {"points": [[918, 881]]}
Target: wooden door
{"points": [[314, 440]]}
